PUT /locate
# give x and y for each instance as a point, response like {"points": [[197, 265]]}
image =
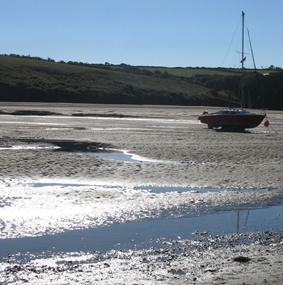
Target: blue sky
{"points": [[143, 32]]}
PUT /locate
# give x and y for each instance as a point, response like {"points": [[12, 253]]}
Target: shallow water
{"points": [[181, 189], [117, 155], [178, 189], [92, 149], [38, 208], [29, 147], [149, 233], [126, 156], [58, 184]]}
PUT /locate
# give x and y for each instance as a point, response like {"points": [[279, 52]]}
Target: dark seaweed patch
{"points": [[30, 113], [71, 145], [115, 115]]}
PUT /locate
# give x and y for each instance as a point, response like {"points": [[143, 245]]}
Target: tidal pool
{"points": [[125, 156], [117, 155], [148, 233], [50, 206]]}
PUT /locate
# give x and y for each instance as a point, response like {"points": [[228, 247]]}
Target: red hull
{"points": [[232, 121]]}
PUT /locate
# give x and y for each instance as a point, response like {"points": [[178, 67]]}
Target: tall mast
{"points": [[242, 62], [243, 39], [251, 49]]}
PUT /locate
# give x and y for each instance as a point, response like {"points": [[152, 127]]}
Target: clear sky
{"points": [[143, 32]]}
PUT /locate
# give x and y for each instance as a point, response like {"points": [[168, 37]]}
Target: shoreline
{"points": [[208, 260]]}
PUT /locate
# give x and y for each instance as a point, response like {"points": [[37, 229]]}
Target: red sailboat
{"points": [[233, 119]]}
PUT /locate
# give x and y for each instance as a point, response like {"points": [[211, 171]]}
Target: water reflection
{"points": [[148, 233]]}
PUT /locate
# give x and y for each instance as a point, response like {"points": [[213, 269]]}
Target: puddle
{"points": [[57, 184], [125, 156], [182, 189], [178, 189], [118, 156], [121, 129], [115, 155], [148, 188], [66, 215], [102, 150], [149, 233], [32, 123], [63, 145], [29, 147]]}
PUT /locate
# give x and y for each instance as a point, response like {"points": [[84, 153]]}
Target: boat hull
{"points": [[232, 122]]}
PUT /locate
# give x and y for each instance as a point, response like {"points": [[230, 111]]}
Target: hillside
{"points": [[38, 80], [190, 72]]}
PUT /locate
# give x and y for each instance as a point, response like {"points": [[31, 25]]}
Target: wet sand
{"points": [[197, 156], [175, 149]]}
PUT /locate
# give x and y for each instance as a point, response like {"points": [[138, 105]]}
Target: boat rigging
{"points": [[234, 119]]}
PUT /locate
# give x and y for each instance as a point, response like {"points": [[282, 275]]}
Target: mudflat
{"points": [[73, 168], [189, 153]]}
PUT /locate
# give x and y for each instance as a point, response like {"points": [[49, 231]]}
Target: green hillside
{"points": [[29, 79], [34, 79], [190, 71], [201, 71]]}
